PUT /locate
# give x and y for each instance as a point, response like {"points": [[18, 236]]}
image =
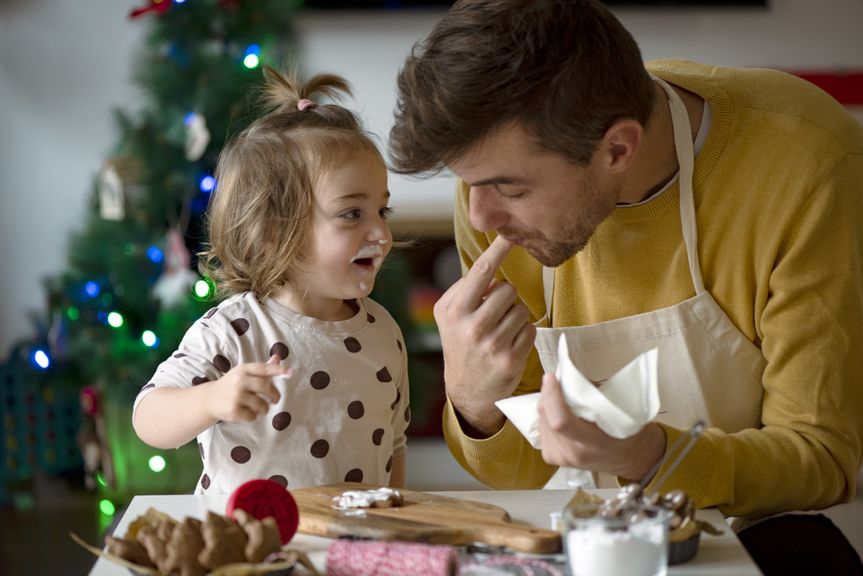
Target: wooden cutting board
{"points": [[422, 518]]}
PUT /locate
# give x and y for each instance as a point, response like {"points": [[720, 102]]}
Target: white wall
{"points": [[64, 65]]}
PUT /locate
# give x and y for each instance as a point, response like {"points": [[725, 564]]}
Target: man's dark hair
{"points": [[564, 70]]}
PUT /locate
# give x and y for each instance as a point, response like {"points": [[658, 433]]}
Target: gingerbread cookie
{"points": [[377, 498], [128, 550], [264, 536], [183, 548], [224, 542]]}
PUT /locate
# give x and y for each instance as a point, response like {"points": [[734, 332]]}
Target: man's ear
{"points": [[620, 144]]}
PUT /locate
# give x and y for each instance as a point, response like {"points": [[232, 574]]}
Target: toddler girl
{"points": [[298, 376]]}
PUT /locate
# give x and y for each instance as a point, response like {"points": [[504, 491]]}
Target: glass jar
{"points": [[602, 544]]}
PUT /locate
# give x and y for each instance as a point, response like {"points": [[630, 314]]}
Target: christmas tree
{"points": [[130, 288]]}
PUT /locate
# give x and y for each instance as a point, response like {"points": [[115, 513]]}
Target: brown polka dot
{"points": [[148, 386], [352, 344], [355, 475], [281, 420], [221, 363], [179, 355], [390, 464], [211, 312], [241, 454], [384, 375], [199, 380], [320, 448], [396, 401], [279, 349], [280, 480], [319, 380], [201, 450], [356, 410], [399, 344], [407, 413], [378, 436], [240, 326], [205, 481], [370, 318]]}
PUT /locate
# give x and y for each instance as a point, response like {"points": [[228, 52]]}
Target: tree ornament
{"points": [[155, 6], [58, 336], [176, 280], [197, 136], [93, 439], [112, 206], [118, 184]]}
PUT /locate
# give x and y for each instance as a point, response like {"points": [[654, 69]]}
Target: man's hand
{"points": [[568, 440], [486, 334], [246, 391]]}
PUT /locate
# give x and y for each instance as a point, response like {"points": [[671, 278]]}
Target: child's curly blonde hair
{"points": [[259, 217]]}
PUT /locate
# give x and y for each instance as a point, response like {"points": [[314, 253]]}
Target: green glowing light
{"points": [[106, 507], [115, 319], [156, 463], [203, 289], [72, 313], [251, 61], [148, 337], [101, 480]]}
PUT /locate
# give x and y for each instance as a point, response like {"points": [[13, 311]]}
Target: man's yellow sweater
{"points": [[779, 210]]}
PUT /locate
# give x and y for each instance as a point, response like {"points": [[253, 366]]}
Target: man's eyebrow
{"points": [[497, 180]]}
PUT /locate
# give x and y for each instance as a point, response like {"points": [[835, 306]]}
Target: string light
{"points": [[251, 56], [115, 319], [155, 254], [203, 288], [40, 358], [72, 313], [149, 338], [106, 507], [156, 463], [91, 289], [207, 184]]}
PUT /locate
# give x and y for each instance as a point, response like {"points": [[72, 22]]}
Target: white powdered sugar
{"points": [[354, 499], [633, 552]]}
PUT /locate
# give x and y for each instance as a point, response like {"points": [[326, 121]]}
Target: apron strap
{"points": [[686, 160]]}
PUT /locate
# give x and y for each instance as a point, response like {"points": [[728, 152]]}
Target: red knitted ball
{"points": [[262, 498]]}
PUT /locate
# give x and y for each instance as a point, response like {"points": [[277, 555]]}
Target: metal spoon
{"points": [[693, 435]]}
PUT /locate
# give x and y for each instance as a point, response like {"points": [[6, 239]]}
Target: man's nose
{"points": [[485, 214]]}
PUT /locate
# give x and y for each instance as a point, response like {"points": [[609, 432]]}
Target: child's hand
{"points": [[246, 391]]}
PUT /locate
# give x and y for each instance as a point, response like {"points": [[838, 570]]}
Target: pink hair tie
{"points": [[304, 103]]}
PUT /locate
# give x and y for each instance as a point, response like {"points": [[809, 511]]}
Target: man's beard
{"points": [[574, 235]]}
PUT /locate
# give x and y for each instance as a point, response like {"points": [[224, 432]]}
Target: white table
{"points": [[717, 555]]}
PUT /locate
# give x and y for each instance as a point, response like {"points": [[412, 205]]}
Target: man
{"points": [[713, 213]]}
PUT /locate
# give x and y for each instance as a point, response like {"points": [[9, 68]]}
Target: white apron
{"points": [[707, 369]]}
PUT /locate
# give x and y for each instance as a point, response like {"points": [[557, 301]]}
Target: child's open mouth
{"points": [[369, 257], [365, 262]]}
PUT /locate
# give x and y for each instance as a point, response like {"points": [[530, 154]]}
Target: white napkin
{"points": [[620, 406]]}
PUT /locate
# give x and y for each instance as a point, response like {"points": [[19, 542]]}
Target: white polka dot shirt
{"points": [[343, 412]]}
